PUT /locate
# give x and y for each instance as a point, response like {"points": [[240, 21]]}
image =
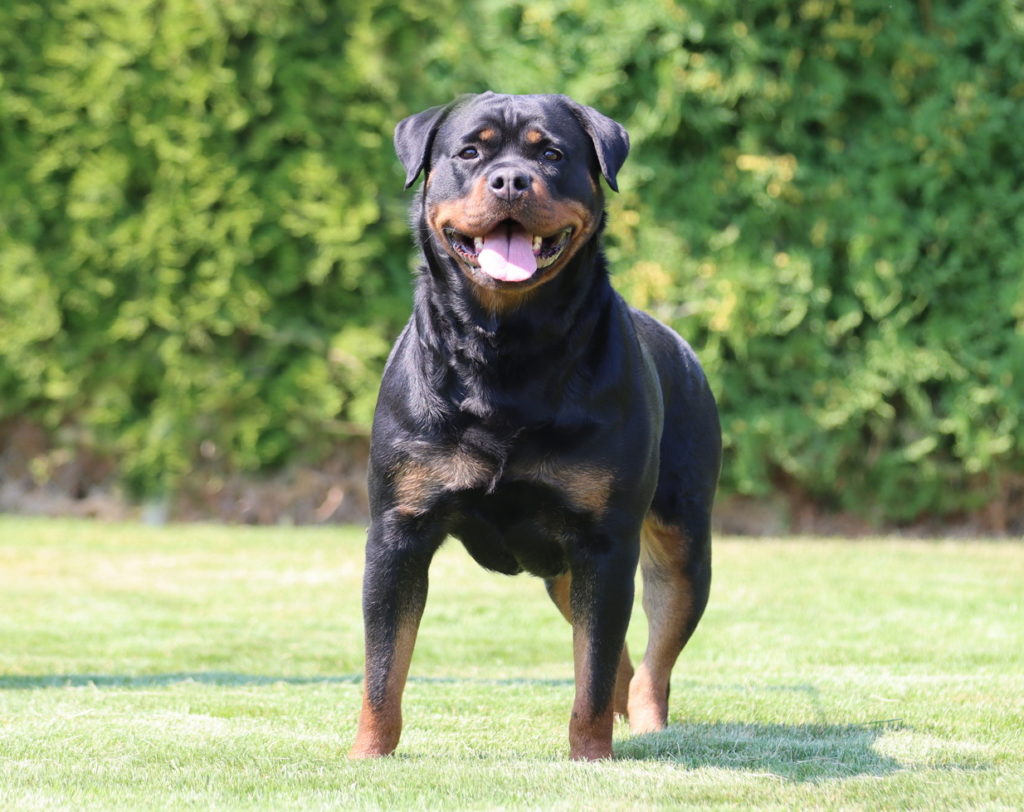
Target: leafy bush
{"points": [[195, 259], [204, 255]]}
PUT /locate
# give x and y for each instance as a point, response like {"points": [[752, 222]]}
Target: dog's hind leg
{"points": [[559, 589], [676, 566]]}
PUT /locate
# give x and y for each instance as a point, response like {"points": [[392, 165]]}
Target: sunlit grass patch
{"points": [[198, 666]]}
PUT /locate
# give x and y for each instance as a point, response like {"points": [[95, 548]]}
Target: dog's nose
{"points": [[508, 182]]}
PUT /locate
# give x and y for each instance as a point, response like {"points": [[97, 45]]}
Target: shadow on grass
{"points": [[227, 679], [809, 752], [792, 752], [221, 678]]}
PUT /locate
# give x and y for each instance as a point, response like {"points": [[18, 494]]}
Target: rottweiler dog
{"points": [[529, 412]]}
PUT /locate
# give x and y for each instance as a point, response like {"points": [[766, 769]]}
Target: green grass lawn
{"points": [[199, 666]]}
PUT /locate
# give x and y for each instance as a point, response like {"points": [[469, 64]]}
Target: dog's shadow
{"points": [[806, 752], [792, 752]]}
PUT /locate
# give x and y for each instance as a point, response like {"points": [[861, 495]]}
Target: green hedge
{"points": [[204, 253]]}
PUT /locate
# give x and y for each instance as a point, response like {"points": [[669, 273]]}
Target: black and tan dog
{"points": [[532, 414]]}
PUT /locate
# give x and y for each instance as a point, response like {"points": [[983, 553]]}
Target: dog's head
{"points": [[512, 190]]}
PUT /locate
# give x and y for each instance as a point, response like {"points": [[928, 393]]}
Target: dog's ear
{"points": [[414, 137], [611, 141]]}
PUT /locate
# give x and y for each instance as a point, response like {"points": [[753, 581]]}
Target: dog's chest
{"points": [[441, 476]]}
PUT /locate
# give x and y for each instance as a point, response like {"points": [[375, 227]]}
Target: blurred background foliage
{"points": [[204, 253]]}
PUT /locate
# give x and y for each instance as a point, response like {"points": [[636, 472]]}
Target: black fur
{"points": [[541, 422]]}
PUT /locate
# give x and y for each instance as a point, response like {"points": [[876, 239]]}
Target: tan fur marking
{"points": [[590, 734], [623, 676], [590, 739], [473, 214], [662, 544], [560, 590], [668, 604], [417, 483], [462, 470], [648, 702], [586, 487], [502, 301], [415, 486], [486, 134], [478, 212], [663, 553], [533, 137], [380, 728]]}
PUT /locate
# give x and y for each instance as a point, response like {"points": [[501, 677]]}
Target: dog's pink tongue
{"points": [[507, 254]]}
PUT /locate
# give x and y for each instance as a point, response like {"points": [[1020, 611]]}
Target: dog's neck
{"points": [[499, 363]]}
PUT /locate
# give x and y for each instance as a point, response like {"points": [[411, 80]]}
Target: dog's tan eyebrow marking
{"points": [[534, 136], [486, 134]]}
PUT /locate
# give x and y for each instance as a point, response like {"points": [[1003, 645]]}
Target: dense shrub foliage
{"points": [[204, 254]]}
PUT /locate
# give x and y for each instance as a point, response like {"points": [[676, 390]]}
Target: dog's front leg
{"points": [[602, 599], [394, 593]]}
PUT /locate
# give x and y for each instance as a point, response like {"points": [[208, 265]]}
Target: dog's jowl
{"points": [[529, 412]]}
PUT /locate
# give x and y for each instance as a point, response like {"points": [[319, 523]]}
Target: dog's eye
{"points": [[469, 153], [551, 154]]}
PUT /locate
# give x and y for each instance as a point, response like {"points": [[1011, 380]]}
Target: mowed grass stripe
{"points": [[198, 666]]}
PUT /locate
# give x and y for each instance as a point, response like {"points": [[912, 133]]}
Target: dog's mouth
{"points": [[509, 253]]}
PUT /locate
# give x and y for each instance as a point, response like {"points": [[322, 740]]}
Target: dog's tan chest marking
{"points": [[419, 482], [586, 488]]}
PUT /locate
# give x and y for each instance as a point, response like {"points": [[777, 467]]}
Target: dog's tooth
{"points": [[537, 242], [478, 244]]}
